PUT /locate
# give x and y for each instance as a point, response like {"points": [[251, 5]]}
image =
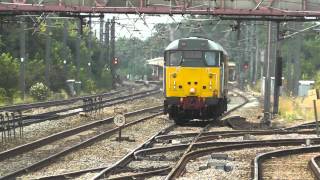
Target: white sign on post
{"points": [[119, 120]]}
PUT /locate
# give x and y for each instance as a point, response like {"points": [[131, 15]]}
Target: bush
{"points": [[90, 86], [317, 80], [39, 91], [3, 96], [62, 94]]}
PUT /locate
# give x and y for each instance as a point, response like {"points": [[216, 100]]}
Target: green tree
{"points": [[9, 74]]}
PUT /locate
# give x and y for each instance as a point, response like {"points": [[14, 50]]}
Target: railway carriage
{"points": [[195, 79]]}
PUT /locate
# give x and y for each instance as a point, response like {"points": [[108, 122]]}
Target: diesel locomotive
{"points": [[195, 79]]}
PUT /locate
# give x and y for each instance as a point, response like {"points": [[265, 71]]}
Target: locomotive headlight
{"points": [[210, 75], [192, 90], [174, 75]]}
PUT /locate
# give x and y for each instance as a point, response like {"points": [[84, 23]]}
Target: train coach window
{"points": [[212, 58]]}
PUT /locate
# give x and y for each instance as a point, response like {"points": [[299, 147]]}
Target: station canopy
{"points": [[159, 61]]}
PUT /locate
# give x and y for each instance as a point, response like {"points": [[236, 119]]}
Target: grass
{"points": [[297, 108], [53, 96]]}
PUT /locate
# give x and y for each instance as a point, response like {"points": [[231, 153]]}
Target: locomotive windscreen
{"points": [[192, 55], [193, 58]]}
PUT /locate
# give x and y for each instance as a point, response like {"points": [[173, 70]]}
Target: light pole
{"points": [[89, 69], [22, 57], [22, 76], [65, 68]]}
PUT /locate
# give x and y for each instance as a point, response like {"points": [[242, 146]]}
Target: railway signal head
{"points": [[115, 61], [246, 66]]}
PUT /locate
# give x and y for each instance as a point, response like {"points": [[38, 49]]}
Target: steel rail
{"points": [[54, 114], [207, 151], [223, 134], [228, 135], [190, 146], [54, 103], [106, 172], [212, 144], [129, 157], [301, 126], [83, 144], [314, 166], [175, 170], [143, 175], [46, 140], [257, 171], [167, 137], [121, 162], [70, 174], [262, 13]]}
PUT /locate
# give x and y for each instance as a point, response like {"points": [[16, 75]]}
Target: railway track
{"points": [[314, 165], [191, 146], [91, 170], [170, 168], [170, 155], [23, 107], [103, 128], [276, 163], [70, 111]]}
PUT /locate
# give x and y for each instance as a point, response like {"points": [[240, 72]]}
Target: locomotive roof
{"points": [[211, 45]]}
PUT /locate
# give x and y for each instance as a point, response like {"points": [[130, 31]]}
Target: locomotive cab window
{"points": [[193, 58], [175, 58], [212, 58]]}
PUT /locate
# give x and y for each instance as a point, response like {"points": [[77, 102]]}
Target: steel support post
{"points": [[90, 47], [101, 29], [316, 116], [267, 61], [255, 74], [107, 43], [65, 54], [289, 65], [78, 54], [276, 90], [247, 53], [112, 53], [251, 45], [101, 44], [240, 61], [22, 57], [296, 57], [48, 53]]}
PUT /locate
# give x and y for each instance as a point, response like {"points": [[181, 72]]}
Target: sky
{"points": [[133, 25]]}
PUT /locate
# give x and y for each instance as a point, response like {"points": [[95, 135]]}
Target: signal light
{"points": [[245, 65], [115, 61]]}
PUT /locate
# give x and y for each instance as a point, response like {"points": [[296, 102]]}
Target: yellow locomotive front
{"points": [[195, 79]]}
